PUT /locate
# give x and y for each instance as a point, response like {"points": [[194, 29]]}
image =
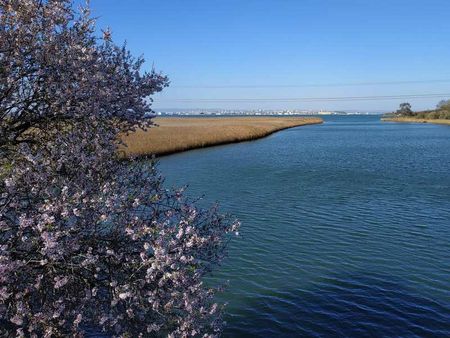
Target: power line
{"points": [[315, 99], [349, 84]]}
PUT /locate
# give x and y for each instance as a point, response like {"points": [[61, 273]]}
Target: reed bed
{"points": [[176, 134], [416, 120]]}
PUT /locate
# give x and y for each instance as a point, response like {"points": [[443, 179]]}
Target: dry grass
{"points": [[179, 134], [416, 120]]}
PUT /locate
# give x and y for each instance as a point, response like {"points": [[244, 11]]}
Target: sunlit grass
{"points": [[175, 134], [417, 120]]}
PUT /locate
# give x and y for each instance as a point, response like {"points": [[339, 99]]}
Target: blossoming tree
{"points": [[89, 242]]}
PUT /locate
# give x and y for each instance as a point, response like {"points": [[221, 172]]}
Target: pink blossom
{"points": [[60, 281], [78, 320], [17, 320], [124, 295], [84, 236], [4, 294]]}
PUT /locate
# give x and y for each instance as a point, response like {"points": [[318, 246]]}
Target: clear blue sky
{"points": [[234, 43]]}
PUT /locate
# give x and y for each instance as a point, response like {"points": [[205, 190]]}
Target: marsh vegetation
{"points": [[180, 134]]}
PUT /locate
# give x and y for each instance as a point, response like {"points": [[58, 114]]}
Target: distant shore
{"points": [[175, 134], [416, 120]]}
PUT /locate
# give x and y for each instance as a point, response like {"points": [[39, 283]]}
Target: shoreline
{"points": [[414, 120], [174, 135]]}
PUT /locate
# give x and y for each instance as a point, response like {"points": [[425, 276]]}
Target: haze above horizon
{"points": [[275, 54]]}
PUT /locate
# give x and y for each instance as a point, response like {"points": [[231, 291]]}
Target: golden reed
{"points": [[176, 134]]}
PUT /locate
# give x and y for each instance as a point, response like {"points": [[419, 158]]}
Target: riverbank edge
{"points": [[413, 120], [305, 122]]}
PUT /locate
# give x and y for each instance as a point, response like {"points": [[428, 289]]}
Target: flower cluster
{"points": [[53, 70], [89, 242]]}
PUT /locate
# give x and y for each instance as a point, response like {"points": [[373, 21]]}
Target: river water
{"points": [[346, 228]]}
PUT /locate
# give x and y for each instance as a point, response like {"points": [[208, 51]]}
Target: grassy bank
{"points": [[416, 120], [180, 134]]}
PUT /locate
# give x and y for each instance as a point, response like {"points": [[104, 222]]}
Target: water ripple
{"points": [[345, 228]]}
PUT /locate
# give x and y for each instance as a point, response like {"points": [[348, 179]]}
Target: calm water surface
{"points": [[346, 228]]}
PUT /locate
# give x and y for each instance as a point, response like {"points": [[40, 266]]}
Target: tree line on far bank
{"points": [[442, 111]]}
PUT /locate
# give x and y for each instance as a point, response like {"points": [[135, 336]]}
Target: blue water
{"points": [[346, 228]]}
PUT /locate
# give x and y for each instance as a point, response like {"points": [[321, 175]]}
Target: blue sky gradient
{"points": [[212, 49]]}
